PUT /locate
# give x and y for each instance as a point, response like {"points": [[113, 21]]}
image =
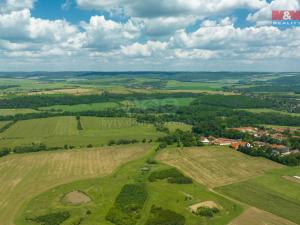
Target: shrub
{"points": [[4, 152], [207, 212], [52, 219], [173, 176], [161, 216], [151, 161], [180, 180], [128, 204]]}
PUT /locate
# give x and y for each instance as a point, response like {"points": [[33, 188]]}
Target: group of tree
{"points": [[269, 153]]}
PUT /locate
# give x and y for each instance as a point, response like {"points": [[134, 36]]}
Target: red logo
{"points": [[285, 15]]}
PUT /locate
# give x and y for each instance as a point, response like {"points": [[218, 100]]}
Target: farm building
{"points": [[236, 145], [259, 144], [224, 141], [278, 136], [204, 140], [281, 149]]}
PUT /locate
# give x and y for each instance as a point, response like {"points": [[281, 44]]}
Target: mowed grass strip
{"points": [[154, 103], [61, 131], [82, 107], [216, 166], [271, 192], [108, 129], [3, 123], [12, 112], [43, 127], [24, 176]]}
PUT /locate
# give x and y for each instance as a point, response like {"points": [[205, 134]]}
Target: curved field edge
{"points": [[24, 176], [215, 166], [271, 192], [103, 192]]}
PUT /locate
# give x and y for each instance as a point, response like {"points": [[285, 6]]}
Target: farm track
{"points": [[22, 177]]}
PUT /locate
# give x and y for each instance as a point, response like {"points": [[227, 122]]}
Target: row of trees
{"points": [[267, 152]]}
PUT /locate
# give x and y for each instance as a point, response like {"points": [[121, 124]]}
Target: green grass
{"points": [[178, 85], [58, 131], [216, 166], [103, 192], [82, 107], [3, 123], [42, 128], [270, 111], [270, 192], [158, 102], [12, 112], [173, 126], [24, 176]]}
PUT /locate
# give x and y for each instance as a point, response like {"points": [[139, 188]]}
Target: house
{"points": [[224, 141], [281, 149], [295, 151], [204, 140], [252, 130], [259, 144], [278, 136], [236, 145]]}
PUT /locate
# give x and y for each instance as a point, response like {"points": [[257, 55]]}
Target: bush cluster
{"points": [[172, 176], [52, 219], [122, 142], [161, 216], [207, 212], [128, 205]]}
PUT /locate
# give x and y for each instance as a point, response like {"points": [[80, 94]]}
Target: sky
{"points": [[146, 35]]}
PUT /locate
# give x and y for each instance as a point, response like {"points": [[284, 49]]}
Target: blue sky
{"points": [[235, 35]]}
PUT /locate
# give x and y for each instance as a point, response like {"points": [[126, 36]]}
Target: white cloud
{"points": [[264, 15], [169, 8], [195, 54], [107, 34], [20, 26], [144, 50], [13, 5]]}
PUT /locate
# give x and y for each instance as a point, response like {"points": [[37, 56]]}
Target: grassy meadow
{"points": [[152, 103], [22, 177], [12, 112], [216, 166], [81, 107], [178, 85], [270, 111], [175, 197], [58, 131], [274, 192]]}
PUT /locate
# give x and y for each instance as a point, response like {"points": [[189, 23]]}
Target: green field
{"points": [[103, 193], [270, 111], [216, 165], [81, 107], [152, 103], [12, 112], [173, 126], [178, 85], [274, 192], [58, 131], [22, 177], [3, 123]]}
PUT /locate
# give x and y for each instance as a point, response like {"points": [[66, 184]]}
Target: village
{"points": [[278, 135]]}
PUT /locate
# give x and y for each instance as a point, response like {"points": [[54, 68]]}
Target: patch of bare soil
{"points": [[207, 204], [293, 179], [76, 198]]}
